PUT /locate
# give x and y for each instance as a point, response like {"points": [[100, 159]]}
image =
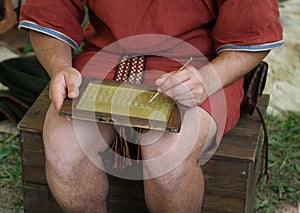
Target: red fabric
{"points": [[206, 25], [251, 22], [63, 16]]}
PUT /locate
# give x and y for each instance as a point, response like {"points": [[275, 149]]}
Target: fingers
{"points": [[186, 87], [188, 96], [64, 84], [192, 98], [57, 94], [161, 81], [170, 80], [73, 84]]}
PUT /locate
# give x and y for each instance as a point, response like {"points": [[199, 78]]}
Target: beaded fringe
{"points": [[129, 69]]}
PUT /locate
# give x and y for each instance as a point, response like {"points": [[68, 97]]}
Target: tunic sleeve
{"points": [[247, 25], [60, 19]]}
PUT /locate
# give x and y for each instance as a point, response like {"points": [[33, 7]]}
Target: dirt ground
{"points": [[284, 64]]}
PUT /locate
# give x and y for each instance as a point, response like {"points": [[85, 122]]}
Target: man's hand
{"points": [[191, 87], [64, 84], [186, 87]]}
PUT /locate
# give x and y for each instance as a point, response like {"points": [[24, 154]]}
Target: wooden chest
{"points": [[230, 175]]}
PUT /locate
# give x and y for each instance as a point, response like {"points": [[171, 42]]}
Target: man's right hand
{"points": [[64, 83]]}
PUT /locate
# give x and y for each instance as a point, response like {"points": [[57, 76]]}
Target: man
{"points": [[233, 35]]}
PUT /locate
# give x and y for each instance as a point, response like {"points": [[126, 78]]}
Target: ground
{"points": [[284, 64]]}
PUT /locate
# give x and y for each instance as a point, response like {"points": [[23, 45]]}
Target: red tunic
{"points": [[208, 26]]}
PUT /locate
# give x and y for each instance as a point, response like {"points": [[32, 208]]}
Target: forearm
{"points": [[56, 58], [53, 54], [228, 67]]}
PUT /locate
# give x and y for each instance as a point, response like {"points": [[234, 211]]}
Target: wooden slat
{"points": [[37, 199], [240, 143], [34, 175], [224, 201], [254, 172], [33, 158], [34, 118], [121, 206]]}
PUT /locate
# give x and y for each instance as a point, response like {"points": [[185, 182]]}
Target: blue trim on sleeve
{"points": [[253, 48], [33, 26]]}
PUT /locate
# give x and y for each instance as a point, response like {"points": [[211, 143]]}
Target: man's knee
{"points": [[169, 182], [171, 150], [64, 156], [70, 143], [62, 170]]}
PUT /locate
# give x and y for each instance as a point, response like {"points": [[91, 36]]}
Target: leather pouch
{"points": [[254, 84]]}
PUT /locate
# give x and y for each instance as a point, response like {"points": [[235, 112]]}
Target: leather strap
{"points": [[265, 151]]}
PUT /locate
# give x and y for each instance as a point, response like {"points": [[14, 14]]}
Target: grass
{"points": [[284, 164], [284, 168], [10, 174]]}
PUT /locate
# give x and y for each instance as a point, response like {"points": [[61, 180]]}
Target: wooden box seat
{"points": [[230, 175]]}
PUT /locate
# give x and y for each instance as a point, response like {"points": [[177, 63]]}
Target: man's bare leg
{"points": [[177, 188], [77, 184]]}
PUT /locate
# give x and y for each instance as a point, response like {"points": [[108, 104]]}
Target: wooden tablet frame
{"points": [[70, 109]]}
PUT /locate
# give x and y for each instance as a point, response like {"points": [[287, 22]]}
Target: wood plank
{"points": [[127, 189], [37, 111], [120, 206], [37, 199], [33, 158], [32, 142], [254, 170], [226, 168], [35, 175], [226, 183], [216, 200], [226, 174], [240, 144]]}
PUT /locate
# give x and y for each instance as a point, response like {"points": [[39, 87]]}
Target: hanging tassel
{"points": [[126, 153], [124, 150], [139, 147]]}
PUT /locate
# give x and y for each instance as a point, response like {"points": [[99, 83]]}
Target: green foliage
{"points": [[284, 164], [10, 173], [281, 3], [86, 17], [27, 49], [83, 24]]}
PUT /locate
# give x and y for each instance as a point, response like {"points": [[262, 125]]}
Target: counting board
{"points": [[123, 104]]}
